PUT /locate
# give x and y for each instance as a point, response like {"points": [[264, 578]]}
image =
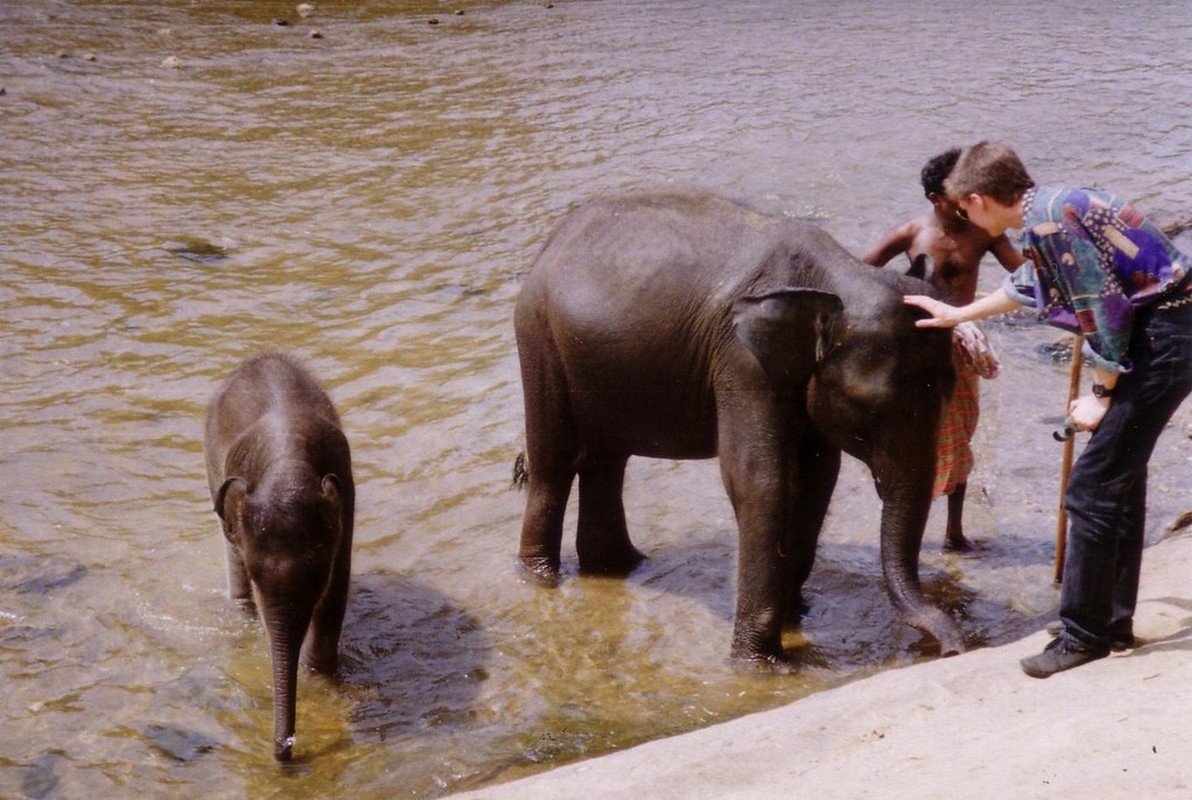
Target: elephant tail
{"points": [[521, 475]]}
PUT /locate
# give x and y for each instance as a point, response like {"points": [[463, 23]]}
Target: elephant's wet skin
{"points": [[685, 326], [280, 474]]}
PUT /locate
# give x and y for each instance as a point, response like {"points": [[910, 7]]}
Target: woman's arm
{"points": [[948, 316]]}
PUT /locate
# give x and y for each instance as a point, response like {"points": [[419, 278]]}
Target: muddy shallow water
{"points": [[187, 183]]}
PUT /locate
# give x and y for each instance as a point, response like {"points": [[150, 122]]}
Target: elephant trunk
{"points": [[285, 646], [905, 510]]}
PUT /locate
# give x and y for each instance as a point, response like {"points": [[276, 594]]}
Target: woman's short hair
{"points": [[991, 169]]}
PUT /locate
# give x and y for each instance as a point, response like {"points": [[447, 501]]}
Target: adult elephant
{"points": [[685, 326]]}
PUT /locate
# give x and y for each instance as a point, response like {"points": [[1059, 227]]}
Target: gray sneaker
{"points": [[1060, 654]]}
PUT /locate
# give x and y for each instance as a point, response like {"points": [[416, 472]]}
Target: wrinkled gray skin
{"points": [[684, 326], [280, 474]]}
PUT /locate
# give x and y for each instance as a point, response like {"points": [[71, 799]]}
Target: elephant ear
{"points": [[790, 331], [229, 505], [333, 489]]}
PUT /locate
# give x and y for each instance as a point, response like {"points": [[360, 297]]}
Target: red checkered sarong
{"points": [[973, 356], [954, 456]]}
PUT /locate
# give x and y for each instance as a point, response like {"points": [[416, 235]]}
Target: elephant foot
{"points": [[541, 570], [759, 648], [958, 543], [618, 565], [766, 663], [325, 665]]}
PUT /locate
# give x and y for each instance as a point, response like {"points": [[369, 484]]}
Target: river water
{"points": [[185, 183]]}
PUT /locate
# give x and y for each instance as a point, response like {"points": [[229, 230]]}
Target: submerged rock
{"points": [[178, 743], [41, 779], [198, 250]]}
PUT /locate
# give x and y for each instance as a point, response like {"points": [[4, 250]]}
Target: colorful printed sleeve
{"points": [[1074, 238], [1096, 260], [1021, 285]]}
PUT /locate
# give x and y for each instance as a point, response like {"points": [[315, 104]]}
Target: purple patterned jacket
{"points": [[1096, 260]]}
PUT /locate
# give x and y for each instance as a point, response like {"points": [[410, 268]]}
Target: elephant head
{"points": [[288, 530], [874, 386]]}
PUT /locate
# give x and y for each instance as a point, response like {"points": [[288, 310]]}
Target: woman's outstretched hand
{"points": [[942, 314], [946, 316]]}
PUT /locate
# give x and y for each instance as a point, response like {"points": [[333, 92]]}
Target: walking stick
{"points": [[1069, 439]]}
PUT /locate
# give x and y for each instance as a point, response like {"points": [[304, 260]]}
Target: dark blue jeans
{"points": [[1106, 496]]}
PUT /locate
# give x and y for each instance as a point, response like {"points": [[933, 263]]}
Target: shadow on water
{"points": [[37, 575], [411, 659]]}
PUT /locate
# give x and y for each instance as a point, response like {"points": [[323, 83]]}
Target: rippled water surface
{"points": [[187, 183]]}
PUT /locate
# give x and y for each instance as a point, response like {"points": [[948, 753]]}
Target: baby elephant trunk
{"points": [[285, 645]]}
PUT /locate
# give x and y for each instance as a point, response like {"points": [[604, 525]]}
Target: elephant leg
{"points": [[542, 525], [551, 454], [810, 488], [551, 473], [602, 537], [757, 628], [755, 465], [320, 650]]}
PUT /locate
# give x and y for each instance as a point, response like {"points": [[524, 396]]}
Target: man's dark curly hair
{"points": [[936, 170]]}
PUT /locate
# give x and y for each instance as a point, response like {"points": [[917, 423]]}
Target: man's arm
{"points": [[1009, 256], [896, 241]]}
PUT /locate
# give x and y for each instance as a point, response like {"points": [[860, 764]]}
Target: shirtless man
{"points": [[955, 248]]}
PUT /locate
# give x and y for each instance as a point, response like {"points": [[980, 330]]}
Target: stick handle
{"points": [[1061, 526]]}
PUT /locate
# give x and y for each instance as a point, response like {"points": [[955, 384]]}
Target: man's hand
{"points": [[1087, 411]]}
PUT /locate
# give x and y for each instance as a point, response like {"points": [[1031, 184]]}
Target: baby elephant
{"points": [[281, 480]]}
